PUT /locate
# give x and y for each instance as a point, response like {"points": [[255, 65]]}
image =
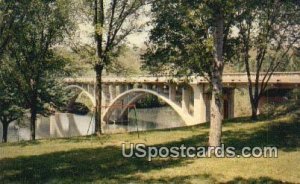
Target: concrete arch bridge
{"points": [[190, 98]]}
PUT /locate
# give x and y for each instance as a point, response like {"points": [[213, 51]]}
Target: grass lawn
{"points": [[99, 159]]}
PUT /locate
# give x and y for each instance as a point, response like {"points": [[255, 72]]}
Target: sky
{"points": [[86, 30]]}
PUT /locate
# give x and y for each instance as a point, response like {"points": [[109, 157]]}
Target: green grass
{"points": [[99, 159]]}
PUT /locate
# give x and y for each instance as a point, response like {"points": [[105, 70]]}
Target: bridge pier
{"points": [[159, 88], [231, 103], [106, 95], [120, 88], [185, 103], [172, 92], [147, 86], [129, 86], [112, 95], [200, 115], [112, 92], [228, 111]]}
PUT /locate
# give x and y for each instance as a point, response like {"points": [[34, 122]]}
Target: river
{"points": [[69, 125]]}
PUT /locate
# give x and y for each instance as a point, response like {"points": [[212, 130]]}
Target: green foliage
{"points": [[34, 67], [149, 101], [12, 13], [291, 63], [181, 41], [125, 63], [76, 63], [79, 108], [177, 39], [37, 67], [114, 21], [10, 100], [268, 35]]}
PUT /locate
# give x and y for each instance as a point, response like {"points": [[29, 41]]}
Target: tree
{"points": [[216, 75], [36, 68], [268, 34], [194, 37], [112, 25], [11, 14], [10, 101]]}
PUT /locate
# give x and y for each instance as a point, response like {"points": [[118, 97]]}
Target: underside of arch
{"points": [[83, 92], [187, 118]]}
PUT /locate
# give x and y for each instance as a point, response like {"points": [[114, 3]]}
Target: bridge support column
{"points": [[199, 104], [228, 103], [159, 88], [129, 86], [186, 93], [106, 95], [120, 89], [172, 92], [231, 103], [147, 86], [113, 95], [103, 102], [112, 92]]}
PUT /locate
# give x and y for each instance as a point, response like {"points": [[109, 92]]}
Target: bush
{"points": [[149, 101]]}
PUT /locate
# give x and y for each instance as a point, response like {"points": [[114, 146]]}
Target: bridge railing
{"points": [[277, 77]]}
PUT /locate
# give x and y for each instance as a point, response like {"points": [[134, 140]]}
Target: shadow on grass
{"points": [[86, 165], [201, 178], [106, 164], [89, 165], [21, 143], [283, 135], [260, 180]]}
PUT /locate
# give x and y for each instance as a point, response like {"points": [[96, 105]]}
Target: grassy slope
{"points": [[98, 159]]}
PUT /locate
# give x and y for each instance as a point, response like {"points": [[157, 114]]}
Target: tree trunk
{"points": [[5, 130], [32, 122], [254, 108], [216, 115], [254, 98], [98, 116], [254, 114], [99, 23]]}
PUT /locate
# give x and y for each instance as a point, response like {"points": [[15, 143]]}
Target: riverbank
{"points": [[99, 159]]}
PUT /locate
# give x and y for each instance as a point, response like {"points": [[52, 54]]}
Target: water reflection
{"points": [[69, 125]]}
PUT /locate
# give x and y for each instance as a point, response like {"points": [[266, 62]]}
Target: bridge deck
{"points": [[291, 78]]}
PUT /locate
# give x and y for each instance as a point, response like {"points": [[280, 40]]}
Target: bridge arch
{"points": [[187, 118], [131, 101], [85, 92]]}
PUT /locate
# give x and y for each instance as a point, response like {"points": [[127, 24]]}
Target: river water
{"points": [[69, 125]]}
